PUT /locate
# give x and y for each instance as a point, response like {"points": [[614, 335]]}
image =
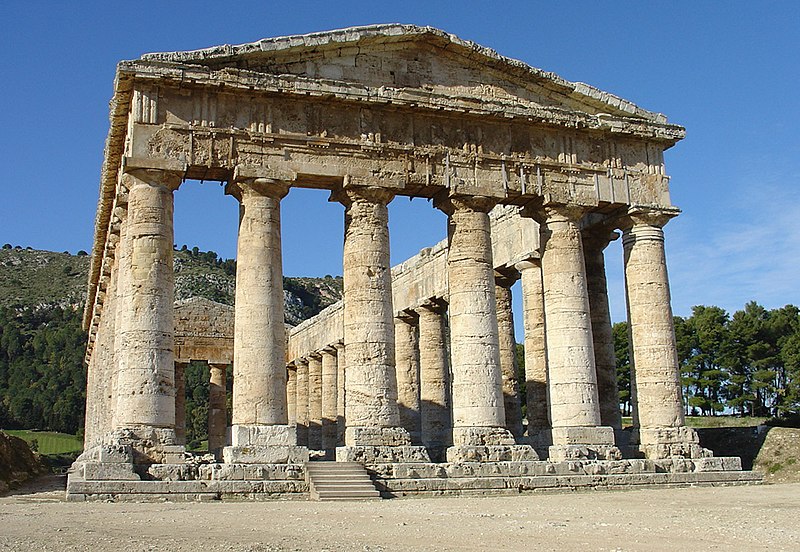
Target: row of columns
{"points": [[562, 356]]}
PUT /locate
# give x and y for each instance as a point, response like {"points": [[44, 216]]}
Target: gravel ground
{"points": [[702, 518]]}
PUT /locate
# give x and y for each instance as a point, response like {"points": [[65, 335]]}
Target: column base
{"points": [[491, 453], [241, 435], [375, 437], [146, 445], [583, 443], [261, 454], [668, 442], [382, 454], [477, 436]]}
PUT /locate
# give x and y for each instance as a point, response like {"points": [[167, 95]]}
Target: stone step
{"points": [[340, 481]]}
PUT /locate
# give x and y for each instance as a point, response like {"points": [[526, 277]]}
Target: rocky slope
{"points": [[33, 278], [18, 462]]}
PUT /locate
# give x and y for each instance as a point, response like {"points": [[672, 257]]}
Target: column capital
{"points": [[646, 216], [169, 179], [476, 203], [243, 187], [527, 264], [407, 316], [351, 194], [329, 349], [506, 277], [435, 305], [598, 239]]}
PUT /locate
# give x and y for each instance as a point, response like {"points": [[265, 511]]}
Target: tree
{"points": [[622, 352]]}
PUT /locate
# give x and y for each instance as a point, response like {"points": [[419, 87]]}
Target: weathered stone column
{"points": [[434, 380], [180, 402], [373, 419], [340, 393], [315, 401], [537, 409], [145, 387], [329, 370], [659, 427], [260, 430], [508, 354], [407, 347], [572, 381], [302, 401], [479, 431], [217, 408], [603, 338], [291, 395]]}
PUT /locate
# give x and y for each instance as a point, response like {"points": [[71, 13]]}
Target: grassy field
{"points": [[49, 442]]}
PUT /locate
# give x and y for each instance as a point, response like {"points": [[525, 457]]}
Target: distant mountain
{"points": [[36, 279]]}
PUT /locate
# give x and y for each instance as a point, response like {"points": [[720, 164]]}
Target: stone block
{"points": [[482, 436], [259, 454], [114, 454], [492, 453], [172, 472], [97, 471], [597, 435], [380, 454], [263, 435], [561, 453], [377, 436]]}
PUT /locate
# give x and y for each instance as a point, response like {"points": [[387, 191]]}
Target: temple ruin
{"points": [[413, 374]]}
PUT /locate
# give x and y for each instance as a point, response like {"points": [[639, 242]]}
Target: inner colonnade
{"points": [[416, 365]]}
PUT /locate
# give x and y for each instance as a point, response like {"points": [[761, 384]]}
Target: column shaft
{"points": [[291, 395], [302, 401], [329, 370], [180, 402], [145, 385], [259, 382], [508, 358], [315, 402], [604, 355], [217, 408], [537, 409], [407, 347], [341, 408], [371, 385], [434, 380]]}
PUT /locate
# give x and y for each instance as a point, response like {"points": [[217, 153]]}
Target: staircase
{"points": [[340, 481]]}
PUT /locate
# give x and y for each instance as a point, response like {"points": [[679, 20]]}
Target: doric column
{"points": [[537, 410], [329, 370], [603, 338], [434, 380], [659, 427], [145, 385], [217, 408], [302, 401], [180, 402], [373, 418], [340, 393], [508, 354], [477, 397], [259, 380], [315, 401], [291, 394], [407, 354], [572, 381]]}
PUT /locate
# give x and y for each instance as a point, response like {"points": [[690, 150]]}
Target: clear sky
{"points": [[727, 71]]}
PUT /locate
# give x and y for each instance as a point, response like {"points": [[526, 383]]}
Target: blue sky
{"points": [[728, 71]]}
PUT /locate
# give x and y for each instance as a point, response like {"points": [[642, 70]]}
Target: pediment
{"points": [[411, 59]]}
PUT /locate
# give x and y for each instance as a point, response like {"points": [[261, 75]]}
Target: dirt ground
{"points": [[702, 518]]}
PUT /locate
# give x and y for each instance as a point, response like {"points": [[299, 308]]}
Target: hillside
{"points": [[33, 278]]}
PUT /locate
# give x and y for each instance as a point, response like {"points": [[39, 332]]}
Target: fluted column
{"points": [[572, 380], [603, 337], [329, 373], [478, 411], [407, 347], [537, 410], [340, 393], [371, 385], [217, 408], [180, 402], [508, 354], [302, 401], [145, 385], [434, 380], [259, 382], [315, 401], [659, 427], [291, 395]]}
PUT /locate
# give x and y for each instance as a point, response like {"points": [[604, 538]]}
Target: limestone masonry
{"points": [[413, 374]]}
